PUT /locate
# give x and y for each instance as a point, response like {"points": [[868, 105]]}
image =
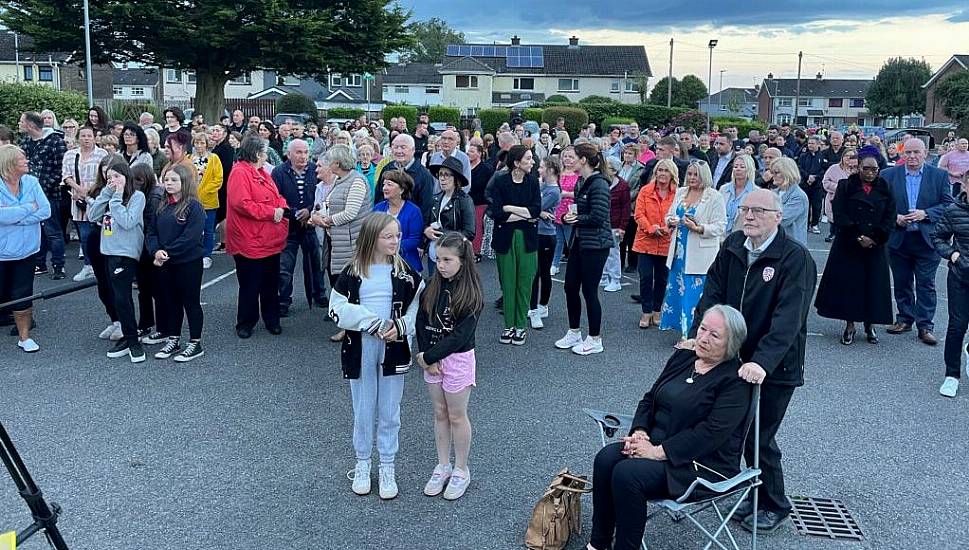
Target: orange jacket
{"points": [[650, 213]]}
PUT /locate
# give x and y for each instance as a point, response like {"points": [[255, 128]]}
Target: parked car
{"points": [[283, 117]]}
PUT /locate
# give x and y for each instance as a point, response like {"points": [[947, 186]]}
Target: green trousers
{"points": [[516, 271]]}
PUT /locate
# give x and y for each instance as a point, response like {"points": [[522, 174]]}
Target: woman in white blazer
{"points": [[698, 218]]}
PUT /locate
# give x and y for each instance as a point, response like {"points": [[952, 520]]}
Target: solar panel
{"points": [[452, 50], [525, 56], [537, 61], [536, 51], [501, 51], [477, 50], [464, 50]]}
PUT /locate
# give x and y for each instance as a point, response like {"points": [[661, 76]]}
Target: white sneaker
{"points": [[460, 479], [535, 318], [570, 340], [614, 286], [86, 272], [442, 473], [117, 333], [605, 281], [360, 476], [108, 331], [554, 270], [589, 346], [388, 482], [28, 345], [949, 387], [543, 311], [206, 263]]}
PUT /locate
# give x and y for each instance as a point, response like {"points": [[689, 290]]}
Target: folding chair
{"points": [[744, 483]]}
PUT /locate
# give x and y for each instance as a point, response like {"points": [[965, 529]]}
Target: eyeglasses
{"points": [[756, 210], [698, 161]]}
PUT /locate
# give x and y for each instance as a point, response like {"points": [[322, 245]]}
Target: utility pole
{"points": [[797, 91], [16, 56], [87, 55], [711, 45], [720, 93], [669, 82]]}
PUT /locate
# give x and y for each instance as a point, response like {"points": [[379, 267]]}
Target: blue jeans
{"points": [[914, 262], [83, 232], [51, 239], [306, 240], [613, 268], [563, 232], [208, 233]]}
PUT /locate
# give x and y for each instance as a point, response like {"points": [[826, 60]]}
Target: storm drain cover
{"points": [[824, 517]]}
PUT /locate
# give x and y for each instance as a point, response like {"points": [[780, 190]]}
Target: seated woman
{"points": [[689, 424]]}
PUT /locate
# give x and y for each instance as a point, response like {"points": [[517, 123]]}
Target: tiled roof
{"points": [[25, 43], [960, 59], [466, 64], [135, 77], [577, 60], [812, 87], [739, 95], [413, 73]]}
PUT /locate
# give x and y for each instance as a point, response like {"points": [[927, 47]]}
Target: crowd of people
{"points": [[394, 221]]}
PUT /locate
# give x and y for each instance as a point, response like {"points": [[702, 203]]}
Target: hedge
{"points": [[344, 112], [691, 120], [744, 126], [297, 103], [575, 118], [131, 110], [532, 113], [596, 99], [557, 99], [17, 98], [448, 115], [645, 115], [409, 112], [491, 119], [609, 122]]}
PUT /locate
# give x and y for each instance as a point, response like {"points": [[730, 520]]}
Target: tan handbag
{"points": [[558, 513]]}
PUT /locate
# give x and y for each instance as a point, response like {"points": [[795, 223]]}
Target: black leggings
{"points": [[149, 299], [621, 487], [182, 293], [584, 271], [121, 272], [258, 291], [543, 278], [100, 267], [627, 257]]}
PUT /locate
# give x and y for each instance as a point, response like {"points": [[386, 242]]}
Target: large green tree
{"points": [[431, 38], [953, 92], [686, 92], [221, 39], [897, 89]]}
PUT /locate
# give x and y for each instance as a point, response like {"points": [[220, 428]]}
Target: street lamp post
{"points": [[16, 55], [87, 55], [720, 93], [711, 45]]}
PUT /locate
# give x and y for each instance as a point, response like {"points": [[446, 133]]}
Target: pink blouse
{"points": [[567, 184]]}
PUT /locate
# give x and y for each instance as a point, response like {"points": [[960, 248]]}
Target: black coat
{"points": [[458, 214], [504, 191], [700, 423], [592, 229], [774, 294], [856, 285], [952, 235], [442, 334]]}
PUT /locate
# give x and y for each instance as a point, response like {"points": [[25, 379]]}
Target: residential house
{"points": [[934, 109], [178, 86], [732, 102], [831, 102], [59, 70], [412, 84], [478, 76], [336, 90], [136, 84]]}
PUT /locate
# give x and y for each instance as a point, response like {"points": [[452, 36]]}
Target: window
{"points": [[191, 76], [385, 88], [244, 80], [568, 84], [29, 73], [785, 102], [781, 119], [401, 89], [338, 80], [117, 90], [432, 90], [836, 102], [173, 75], [353, 81], [465, 81], [524, 84], [631, 86], [46, 74], [138, 92], [804, 102], [857, 102]]}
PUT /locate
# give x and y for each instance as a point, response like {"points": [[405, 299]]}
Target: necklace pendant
{"points": [[689, 380]]}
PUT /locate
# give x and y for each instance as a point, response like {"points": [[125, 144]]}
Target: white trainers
{"points": [[535, 318], [360, 476], [109, 330], [554, 270], [460, 479], [589, 346], [613, 286], [543, 311], [206, 263], [86, 272], [435, 485], [949, 387], [604, 281], [117, 333], [571, 338], [28, 345], [388, 482]]}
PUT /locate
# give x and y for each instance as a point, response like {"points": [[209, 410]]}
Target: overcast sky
{"points": [[842, 39]]}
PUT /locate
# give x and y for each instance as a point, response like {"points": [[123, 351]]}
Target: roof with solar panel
{"points": [[550, 59]]}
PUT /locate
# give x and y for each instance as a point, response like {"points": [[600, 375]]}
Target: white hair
{"points": [[294, 143]]}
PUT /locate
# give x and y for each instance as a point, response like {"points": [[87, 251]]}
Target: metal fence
{"points": [[131, 109]]}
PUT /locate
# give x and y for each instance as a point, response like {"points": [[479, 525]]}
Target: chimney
{"points": [[819, 76], [770, 76], [574, 42], [516, 41]]}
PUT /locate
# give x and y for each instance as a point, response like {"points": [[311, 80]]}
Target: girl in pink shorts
{"points": [[446, 322]]}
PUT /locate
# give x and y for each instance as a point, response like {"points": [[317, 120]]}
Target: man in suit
{"points": [[921, 194], [720, 158]]}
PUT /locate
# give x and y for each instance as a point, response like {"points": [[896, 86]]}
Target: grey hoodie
{"points": [[122, 226]]}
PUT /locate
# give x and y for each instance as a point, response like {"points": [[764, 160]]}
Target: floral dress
{"points": [[682, 291]]}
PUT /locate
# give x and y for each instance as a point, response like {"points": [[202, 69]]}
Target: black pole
{"points": [[45, 515], [51, 293]]}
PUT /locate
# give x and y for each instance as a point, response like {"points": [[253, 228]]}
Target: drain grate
{"points": [[824, 517]]}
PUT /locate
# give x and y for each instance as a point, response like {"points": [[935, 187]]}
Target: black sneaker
{"points": [[120, 349], [518, 338], [283, 311], [58, 273], [500, 302], [507, 335], [171, 348], [192, 350], [136, 352], [38, 270], [151, 337]]}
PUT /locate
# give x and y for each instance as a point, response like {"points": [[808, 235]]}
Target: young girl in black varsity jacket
{"points": [[446, 323], [374, 301], [175, 245]]}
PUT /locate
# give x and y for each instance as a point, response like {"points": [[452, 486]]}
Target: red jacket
{"points": [[252, 199], [619, 205]]}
